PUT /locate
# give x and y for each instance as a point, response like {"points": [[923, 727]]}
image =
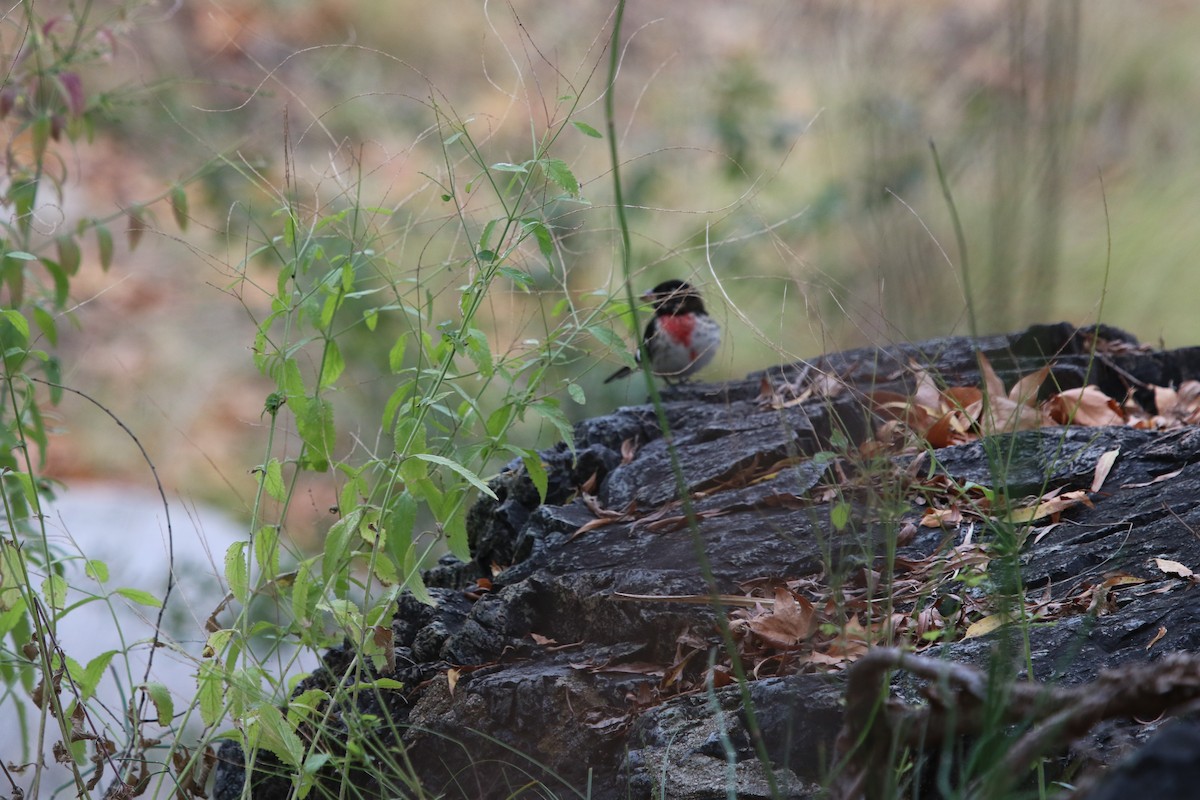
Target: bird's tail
{"points": [[621, 373]]}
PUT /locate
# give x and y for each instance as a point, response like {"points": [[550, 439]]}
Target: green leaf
{"points": [[466, 474], [504, 166], [544, 240], [18, 321], [46, 324], [89, 679], [456, 539], [839, 515], [210, 692], [479, 351], [96, 570], [607, 338], [413, 581], [268, 729], [301, 589], [179, 206], [576, 392], [408, 428], [337, 540], [272, 478], [104, 242], [486, 236], [21, 255], [136, 225], [54, 589], [333, 365], [587, 130], [558, 171], [537, 472], [266, 550], [371, 318], [142, 598], [548, 409], [317, 431], [68, 253], [40, 130], [396, 354], [163, 704], [62, 281], [236, 572], [522, 280]]}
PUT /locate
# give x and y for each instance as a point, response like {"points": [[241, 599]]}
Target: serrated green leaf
{"points": [[576, 392], [522, 280], [163, 704], [89, 679], [479, 351], [139, 596], [408, 435], [317, 431], [548, 409], [236, 573], [54, 590], [485, 238], [267, 729], [558, 171], [333, 365], [210, 688], [301, 590], [337, 540], [272, 478], [606, 337], [466, 474], [542, 234], [266, 550]]}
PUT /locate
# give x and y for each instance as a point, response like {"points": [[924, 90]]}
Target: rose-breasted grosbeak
{"points": [[681, 337]]}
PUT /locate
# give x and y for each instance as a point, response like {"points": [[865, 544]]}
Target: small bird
{"points": [[681, 337]]}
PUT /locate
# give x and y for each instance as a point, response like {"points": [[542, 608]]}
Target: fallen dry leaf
{"points": [[1085, 406], [1162, 631], [1173, 568], [1104, 465], [790, 622], [1051, 505]]}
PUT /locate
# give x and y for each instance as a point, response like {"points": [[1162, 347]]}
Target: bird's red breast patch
{"points": [[678, 328]]}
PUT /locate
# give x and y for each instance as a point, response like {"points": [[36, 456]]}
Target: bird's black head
{"points": [[675, 297]]}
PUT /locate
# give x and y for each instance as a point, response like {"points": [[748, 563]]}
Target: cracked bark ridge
{"points": [[559, 678]]}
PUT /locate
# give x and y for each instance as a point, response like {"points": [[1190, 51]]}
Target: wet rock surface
{"points": [[558, 677]]}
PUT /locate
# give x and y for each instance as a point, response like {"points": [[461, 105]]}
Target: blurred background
{"points": [[777, 154]]}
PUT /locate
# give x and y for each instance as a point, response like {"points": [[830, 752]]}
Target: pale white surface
{"points": [[126, 528]]}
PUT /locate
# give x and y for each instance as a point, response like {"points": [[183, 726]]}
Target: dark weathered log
{"points": [[565, 679]]}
